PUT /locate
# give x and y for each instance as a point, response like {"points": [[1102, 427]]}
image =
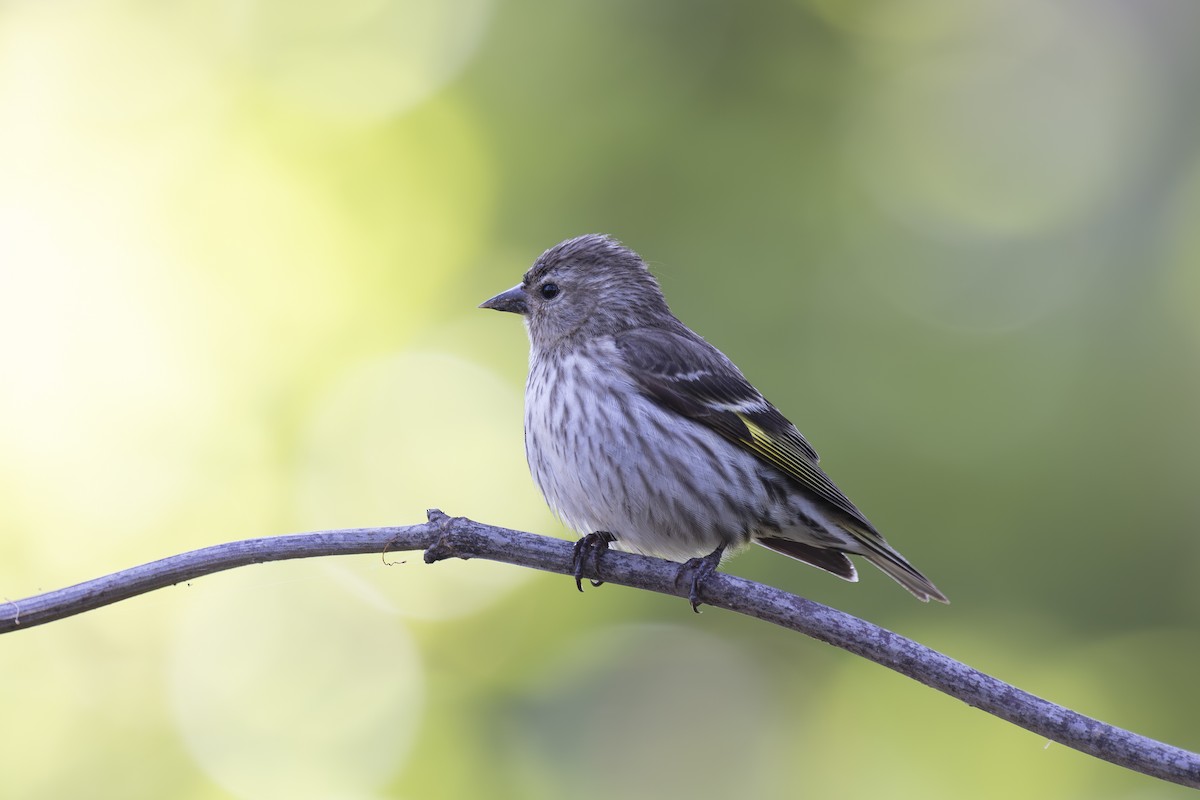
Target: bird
{"points": [[643, 436]]}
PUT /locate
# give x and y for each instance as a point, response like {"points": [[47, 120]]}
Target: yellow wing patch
{"points": [[774, 451], [791, 461]]}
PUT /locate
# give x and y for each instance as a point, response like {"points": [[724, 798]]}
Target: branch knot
{"points": [[444, 547]]}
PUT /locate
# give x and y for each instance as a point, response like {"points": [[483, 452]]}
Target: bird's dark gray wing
{"points": [[692, 378]]}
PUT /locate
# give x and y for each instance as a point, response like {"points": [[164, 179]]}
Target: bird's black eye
{"points": [[549, 291]]}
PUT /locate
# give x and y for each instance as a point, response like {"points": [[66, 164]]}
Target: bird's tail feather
{"points": [[830, 560], [879, 553]]}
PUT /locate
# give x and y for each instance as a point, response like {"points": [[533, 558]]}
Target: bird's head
{"points": [[584, 287]]}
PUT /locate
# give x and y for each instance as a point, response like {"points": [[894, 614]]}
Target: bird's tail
{"points": [[894, 565]]}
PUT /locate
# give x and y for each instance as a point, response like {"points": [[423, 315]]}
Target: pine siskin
{"points": [[640, 432]]}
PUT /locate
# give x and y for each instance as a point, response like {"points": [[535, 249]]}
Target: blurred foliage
{"points": [[241, 245]]}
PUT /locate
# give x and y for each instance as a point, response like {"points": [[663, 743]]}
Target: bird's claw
{"points": [[699, 569], [593, 544]]}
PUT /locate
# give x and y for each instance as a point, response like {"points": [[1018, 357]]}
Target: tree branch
{"points": [[445, 537]]}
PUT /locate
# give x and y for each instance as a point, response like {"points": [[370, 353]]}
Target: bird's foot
{"points": [[592, 544], [699, 569]]}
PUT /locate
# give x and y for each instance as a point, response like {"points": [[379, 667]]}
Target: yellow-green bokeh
{"points": [[241, 246]]}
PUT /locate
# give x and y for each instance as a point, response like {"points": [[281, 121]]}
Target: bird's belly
{"points": [[660, 483]]}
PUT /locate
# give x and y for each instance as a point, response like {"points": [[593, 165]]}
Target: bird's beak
{"points": [[513, 300]]}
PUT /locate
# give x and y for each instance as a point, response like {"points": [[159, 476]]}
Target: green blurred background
{"points": [[241, 246]]}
